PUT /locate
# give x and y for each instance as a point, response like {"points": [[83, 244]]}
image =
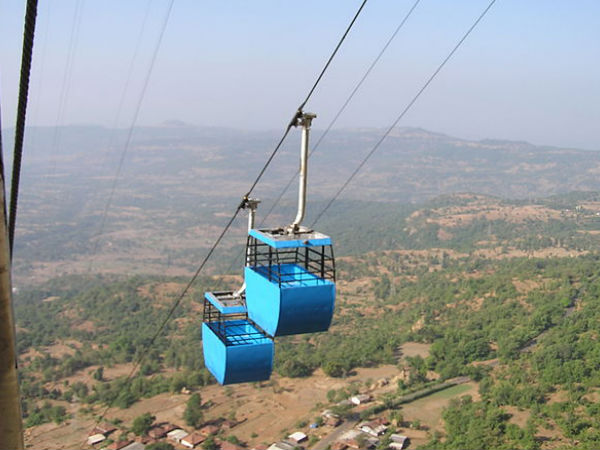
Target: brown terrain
{"points": [[271, 410]]}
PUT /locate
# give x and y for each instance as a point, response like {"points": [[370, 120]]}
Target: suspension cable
{"points": [[308, 96], [27, 56], [342, 109], [170, 313], [241, 205], [66, 85], [2, 154], [112, 136], [403, 113]]}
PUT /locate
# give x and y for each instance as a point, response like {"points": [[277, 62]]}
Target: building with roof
{"points": [[95, 439], [374, 428], [398, 441], [360, 399], [135, 446], [284, 445], [177, 435], [298, 437], [118, 445], [191, 440]]}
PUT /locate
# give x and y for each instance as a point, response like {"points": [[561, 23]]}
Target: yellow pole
{"points": [[11, 427]]}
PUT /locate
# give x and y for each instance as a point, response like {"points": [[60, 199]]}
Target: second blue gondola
{"points": [[235, 349]]}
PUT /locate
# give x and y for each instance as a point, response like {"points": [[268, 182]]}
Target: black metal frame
{"points": [[221, 324], [318, 261]]}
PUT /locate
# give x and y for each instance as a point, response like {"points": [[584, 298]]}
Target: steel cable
{"points": [[27, 56], [403, 113], [240, 206]]}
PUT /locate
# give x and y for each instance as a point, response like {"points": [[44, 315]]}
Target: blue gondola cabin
{"points": [[290, 281], [235, 349]]}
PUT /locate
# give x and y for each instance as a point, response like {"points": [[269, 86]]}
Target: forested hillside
{"points": [[179, 183], [502, 292]]}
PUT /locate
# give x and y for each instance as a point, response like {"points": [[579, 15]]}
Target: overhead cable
{"points": [[403, 113], [303, 104], [26, 58], [118, 115], [66, 83], [1, 152], [241, 205], [343, 107]]}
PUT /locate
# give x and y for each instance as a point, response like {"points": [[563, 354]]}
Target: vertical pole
{"points": [[250, 204], [305, 122], [11, 427]]}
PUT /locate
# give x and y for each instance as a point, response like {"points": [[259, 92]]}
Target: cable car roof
{"points": [[226, 302], [279, 239]]}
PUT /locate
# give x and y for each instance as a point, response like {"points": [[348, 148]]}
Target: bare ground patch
{"points": [[413, 349], [428, 411]]}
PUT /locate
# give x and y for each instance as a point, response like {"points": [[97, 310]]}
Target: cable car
{"points": [[235, 350], [290, 271]]}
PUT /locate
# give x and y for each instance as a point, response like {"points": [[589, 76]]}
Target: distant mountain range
{"points": [[412, 164], [178, 183]]}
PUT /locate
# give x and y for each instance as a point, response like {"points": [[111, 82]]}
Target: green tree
{"points": [[142, 424], [193, 412], [210, 444], [99, 373]]}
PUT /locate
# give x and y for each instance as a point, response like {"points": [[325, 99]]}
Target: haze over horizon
{"points": [[526, 73]]}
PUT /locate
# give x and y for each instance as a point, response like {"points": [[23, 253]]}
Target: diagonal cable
{"points": [[132, 126], [332, 123], [308, 96], [26, 58], [403, 113], [242, 204], [343, 107]]}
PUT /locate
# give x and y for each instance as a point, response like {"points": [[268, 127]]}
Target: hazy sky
{"points": [[530, 71]]}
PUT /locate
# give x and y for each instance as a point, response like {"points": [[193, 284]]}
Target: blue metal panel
{"points": [[304, 303], [262, 300], [214, 353], [237, 363], [284, 241], [306, 309]]}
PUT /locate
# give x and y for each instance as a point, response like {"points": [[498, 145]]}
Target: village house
{"points": [[360, 399], [134, 446], [357, 439], [330, 418], [191, 440], [160, 431], [333, 421], [374, 428], [95, 439], [118, 445], [177, 435], [298, 437], [398, 441], [100, 432], [104, 428], [284, 445]]}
